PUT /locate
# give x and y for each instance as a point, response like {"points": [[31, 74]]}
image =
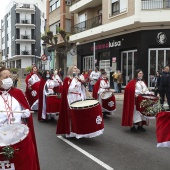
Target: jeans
{"points": [[116, 87], [90, 87]]}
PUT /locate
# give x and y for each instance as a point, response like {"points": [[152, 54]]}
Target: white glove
{"points": [[26, 113]]}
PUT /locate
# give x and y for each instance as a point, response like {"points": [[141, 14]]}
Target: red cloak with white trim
{"points": [[19, 96], [63, 123], [128, 104], [40, 102], [96, 89]]}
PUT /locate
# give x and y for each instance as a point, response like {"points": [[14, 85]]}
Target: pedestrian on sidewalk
{"points": [[115, 77], [119, 81]]}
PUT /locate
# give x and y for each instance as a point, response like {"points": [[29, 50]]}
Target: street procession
{"points": [[85, 85]]}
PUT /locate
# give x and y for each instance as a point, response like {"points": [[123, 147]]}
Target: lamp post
{"points": [[35, 61], [6, 57]]}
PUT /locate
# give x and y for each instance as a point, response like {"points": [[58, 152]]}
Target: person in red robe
{"points": [[131, 116], [63, 124], [48, 105], [15, 111], [32, 85]]}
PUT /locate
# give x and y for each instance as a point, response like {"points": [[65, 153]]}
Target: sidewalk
{"points": [[21, 85]]}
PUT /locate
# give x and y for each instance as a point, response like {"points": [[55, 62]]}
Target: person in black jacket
{"points": [[157, 83], [163, 87]]}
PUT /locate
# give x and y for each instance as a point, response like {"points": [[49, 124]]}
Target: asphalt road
{"points": [[117, 147]]}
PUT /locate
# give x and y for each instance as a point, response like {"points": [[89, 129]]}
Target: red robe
{"points": [[128, 104], [19, 96], [96, 89], [40, 102], [63, 124]]}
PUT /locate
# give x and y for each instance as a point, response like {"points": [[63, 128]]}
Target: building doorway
{"points": [[158, 58], [128, 65]]}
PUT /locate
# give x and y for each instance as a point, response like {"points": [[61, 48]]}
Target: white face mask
{"points": [[7, 83]]}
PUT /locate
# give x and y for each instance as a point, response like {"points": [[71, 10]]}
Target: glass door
{"points": [[128, 65], [158, 58], [88, 63]]}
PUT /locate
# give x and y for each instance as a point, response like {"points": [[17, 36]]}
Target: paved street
{"points": [[117, 148]]}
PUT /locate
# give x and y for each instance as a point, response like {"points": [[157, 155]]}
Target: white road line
{"points": [[86, 153]]}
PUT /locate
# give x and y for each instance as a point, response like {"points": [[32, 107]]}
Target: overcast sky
{"points": [[3, 5]]}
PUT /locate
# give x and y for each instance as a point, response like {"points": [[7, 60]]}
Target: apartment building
{"points": [[22, 27], [122, 34], [58, 16]]}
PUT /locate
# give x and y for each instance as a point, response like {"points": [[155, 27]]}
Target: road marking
{"points": [[86, 154]]}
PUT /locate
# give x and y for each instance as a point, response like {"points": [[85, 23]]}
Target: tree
{"points": [[52, 42]]}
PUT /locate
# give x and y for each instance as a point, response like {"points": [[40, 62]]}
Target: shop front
{"points": [[148, 50]]}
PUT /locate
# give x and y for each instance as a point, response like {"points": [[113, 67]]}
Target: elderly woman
{"points": [[15, 116]]}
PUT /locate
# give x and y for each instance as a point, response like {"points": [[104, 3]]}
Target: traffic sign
{"points": [[43, 57]]}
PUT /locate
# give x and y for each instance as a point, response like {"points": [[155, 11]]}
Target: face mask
{"points": [[47, 76], [7, 83], [74, 74]]}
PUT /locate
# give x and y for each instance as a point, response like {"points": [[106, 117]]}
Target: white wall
{"points": [[25, 62], [41, 4]]}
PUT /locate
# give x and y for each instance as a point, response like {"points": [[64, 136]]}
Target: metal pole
{"points": [[94, 53]]}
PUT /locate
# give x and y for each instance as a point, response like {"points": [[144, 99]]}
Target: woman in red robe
{"points": [[131, 116]]}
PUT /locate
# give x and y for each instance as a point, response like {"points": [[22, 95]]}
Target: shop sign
{"points": [[161, 38], [107, 45]]}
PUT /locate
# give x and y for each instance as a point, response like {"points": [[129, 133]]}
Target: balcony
{"points": [[24, 22], [152, 4], [25, 7], [88, 24], [80, 5], [24, 52], [24, 38]]}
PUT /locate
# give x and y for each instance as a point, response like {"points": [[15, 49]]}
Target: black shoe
{"points": [[140, 128], [133, 129]]}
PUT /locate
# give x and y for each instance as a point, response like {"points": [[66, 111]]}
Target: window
{"points": [[55, 5], [7, 50], [18, 63], [118, 6], [7, 37], [3, 40], [115, 7]]}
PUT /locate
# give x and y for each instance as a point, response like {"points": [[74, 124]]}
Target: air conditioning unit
{"points": [[68, 3]]}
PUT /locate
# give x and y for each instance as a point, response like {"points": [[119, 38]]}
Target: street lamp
{"points": [[44, 46], [6, 57], [35, 61]]}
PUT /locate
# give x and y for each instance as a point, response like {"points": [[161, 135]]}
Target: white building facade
{"points": [[22, 27]]}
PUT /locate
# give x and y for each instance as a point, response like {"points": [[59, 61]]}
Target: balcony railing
{"points": [[155, 4], [25, 37], [23, 21], [24, 52], [88, 24]]}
